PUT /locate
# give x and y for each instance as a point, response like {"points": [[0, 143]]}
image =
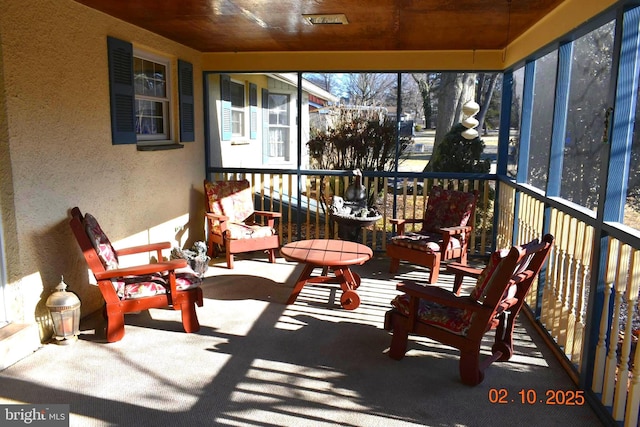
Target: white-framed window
{"points": [[279, 126], [237, 109], [140, 97], [151, 79]]}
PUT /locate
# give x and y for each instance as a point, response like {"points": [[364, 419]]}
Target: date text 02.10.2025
{"points": [[531, 397]]}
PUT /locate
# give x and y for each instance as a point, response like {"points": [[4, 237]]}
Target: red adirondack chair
{"points": [[462, 321], [132, 289]]}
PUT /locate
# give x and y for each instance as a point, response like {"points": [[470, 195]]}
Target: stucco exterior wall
{"points": [[56, 152]]}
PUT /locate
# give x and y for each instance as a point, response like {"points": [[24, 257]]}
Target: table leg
{"points": [[350, 300], [349, 282], [304, 276], [356, 280]]}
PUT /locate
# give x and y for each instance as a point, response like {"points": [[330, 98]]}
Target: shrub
{"points": [[457, 154], [357, 142]]}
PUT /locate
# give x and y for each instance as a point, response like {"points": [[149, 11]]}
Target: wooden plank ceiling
{"points": [[278, 25]]}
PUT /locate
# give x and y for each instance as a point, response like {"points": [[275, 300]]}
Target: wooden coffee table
{"points": [[329, 254]]}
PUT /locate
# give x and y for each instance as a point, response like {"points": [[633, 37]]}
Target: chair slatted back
{"points": [[515, 274], [233, 199], [88, 250], [448, 208]]}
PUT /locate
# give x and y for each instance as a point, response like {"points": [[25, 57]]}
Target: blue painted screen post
{"points": [[619, 140], [623, 119], [554, 177], [560, 110], [505, 124], [525, 134]]}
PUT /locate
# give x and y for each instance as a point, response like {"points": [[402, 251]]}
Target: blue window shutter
{"points": [[265, 126], [226, 121], [253, 117], [121, 91], [253, 111], [185, 84], [225, 106]]}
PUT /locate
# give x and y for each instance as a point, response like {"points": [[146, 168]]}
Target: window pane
{"points": [[150, 78], [147, 73], [279, 131], [237, 95], [238, 112], [152, 102], [278, 101], [149, 117], [358, 131], [278, 138], [516, 114], [159, 79], [278, 109], [590, 79], [432, 106], [542, 118], [158, 124], [139, 77], [237, 122]]}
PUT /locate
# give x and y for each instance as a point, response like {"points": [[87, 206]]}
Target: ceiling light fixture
{"points": [[326, 19]]}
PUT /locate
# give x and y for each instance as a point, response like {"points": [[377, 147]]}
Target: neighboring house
{"points": [[253, 119]]}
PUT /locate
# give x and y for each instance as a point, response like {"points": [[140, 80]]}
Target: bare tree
{"points": [[330, 82], [371, 88], [486, 86], [411, 98], [425, 83], [455, 89]]}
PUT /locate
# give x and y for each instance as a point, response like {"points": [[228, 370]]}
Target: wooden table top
{"points": [[327, 252]]}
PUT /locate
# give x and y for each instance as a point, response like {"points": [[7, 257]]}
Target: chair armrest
{"points": [[220, 219], [140, 270], [458, 229], [400, 222], [216, 217], [268, 214], [459, 271], [438, 295], [157, 247], [465, 270], [143, 248]]}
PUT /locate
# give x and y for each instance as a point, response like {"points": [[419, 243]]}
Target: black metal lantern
{"points": [[64, 308]]}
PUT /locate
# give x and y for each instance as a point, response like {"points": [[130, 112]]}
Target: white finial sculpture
{"points": [[469, 110]]}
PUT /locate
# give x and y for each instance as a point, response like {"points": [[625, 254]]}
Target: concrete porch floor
{"points": [[259, 362]]}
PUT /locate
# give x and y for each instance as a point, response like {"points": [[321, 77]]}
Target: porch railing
{"points": [[585, 300], [587, 297], [303, 200]]}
